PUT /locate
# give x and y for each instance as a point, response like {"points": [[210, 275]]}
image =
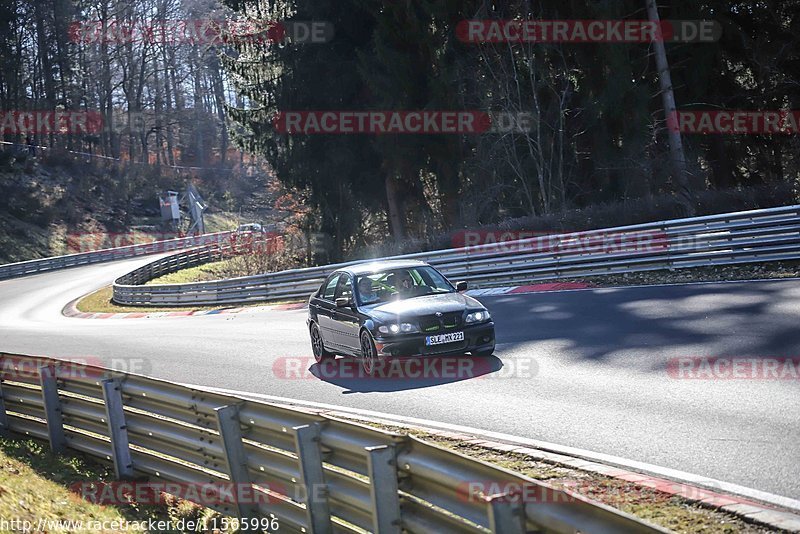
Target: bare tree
{"points": [[677, 157]]}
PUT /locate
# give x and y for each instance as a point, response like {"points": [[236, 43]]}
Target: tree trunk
{"points": [[676, 154], [219, 103], [722, 176], [449, 183], [396, 216]]}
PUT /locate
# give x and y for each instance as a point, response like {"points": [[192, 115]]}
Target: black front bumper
{"points": [[477, 338]]}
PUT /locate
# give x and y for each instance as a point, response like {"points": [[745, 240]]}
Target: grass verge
{"points": [[722, 273], [35, 487], [100, 302], [201, 273], [675, 513]]}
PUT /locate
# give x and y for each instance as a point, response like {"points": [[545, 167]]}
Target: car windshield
{"points": [[398, 284]]}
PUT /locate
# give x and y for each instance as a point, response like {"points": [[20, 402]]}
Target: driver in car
{"points": [[366, 291], [405, 284]]}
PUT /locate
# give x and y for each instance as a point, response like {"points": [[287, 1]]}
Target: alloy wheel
{"points": [[368, 355], [320, 354]]}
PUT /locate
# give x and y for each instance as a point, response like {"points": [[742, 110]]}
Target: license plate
{"points": [[441, 339]]}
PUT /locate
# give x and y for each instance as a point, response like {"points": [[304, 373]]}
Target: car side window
{"points": [[344, 290], [330, 287]]}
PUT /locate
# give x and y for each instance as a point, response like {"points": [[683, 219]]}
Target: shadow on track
{"points": [[401, 374], [656, 322]]}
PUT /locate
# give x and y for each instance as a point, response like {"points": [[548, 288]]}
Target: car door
{"points": [[324, 308], [346, 319]]}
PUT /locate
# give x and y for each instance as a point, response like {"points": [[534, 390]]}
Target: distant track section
{"points": [[14, 270]]}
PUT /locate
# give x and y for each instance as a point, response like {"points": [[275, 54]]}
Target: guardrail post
{"points": [[506, 514], [307, 445], [4, 428], [117, 429], [52, 408], [384, 490], [230, 431], [669, 246]]}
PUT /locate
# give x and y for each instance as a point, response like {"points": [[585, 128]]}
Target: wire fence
{"points": [[309, 472], [32, 150]]}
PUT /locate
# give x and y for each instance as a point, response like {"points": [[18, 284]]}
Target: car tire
{"points": [[369, 354], [483, 353], [318, 346]]}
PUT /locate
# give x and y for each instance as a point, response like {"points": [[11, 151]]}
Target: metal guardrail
{"points": [[727, 239], [314, 473], [13, 270]]}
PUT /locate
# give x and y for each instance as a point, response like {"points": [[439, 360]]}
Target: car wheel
{"points": [[318, 346], [483, 353], [369, 354]]}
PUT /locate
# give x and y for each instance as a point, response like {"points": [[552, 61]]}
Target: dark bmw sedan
{"points": [[377, 310]]}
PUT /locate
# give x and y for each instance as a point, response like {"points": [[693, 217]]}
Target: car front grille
{"points": [[432, 323]]}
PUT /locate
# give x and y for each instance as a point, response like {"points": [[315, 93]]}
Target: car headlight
{"points": [[478, 317], [401, 328]]}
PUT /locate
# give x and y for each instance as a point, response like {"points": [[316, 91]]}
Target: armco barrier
{"points": [[311, 472], [726, 239], [13, 270]]}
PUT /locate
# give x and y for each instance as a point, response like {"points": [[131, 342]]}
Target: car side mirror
{"points": [[461, 286], [343, 302]]}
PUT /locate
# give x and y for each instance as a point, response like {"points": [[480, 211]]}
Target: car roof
{"points": [[382, 265]]}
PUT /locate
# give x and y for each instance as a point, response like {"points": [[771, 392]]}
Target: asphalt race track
{"points": [[587, 369]]}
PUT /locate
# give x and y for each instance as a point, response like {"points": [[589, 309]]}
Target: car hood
{"points": [[418, 306]]}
